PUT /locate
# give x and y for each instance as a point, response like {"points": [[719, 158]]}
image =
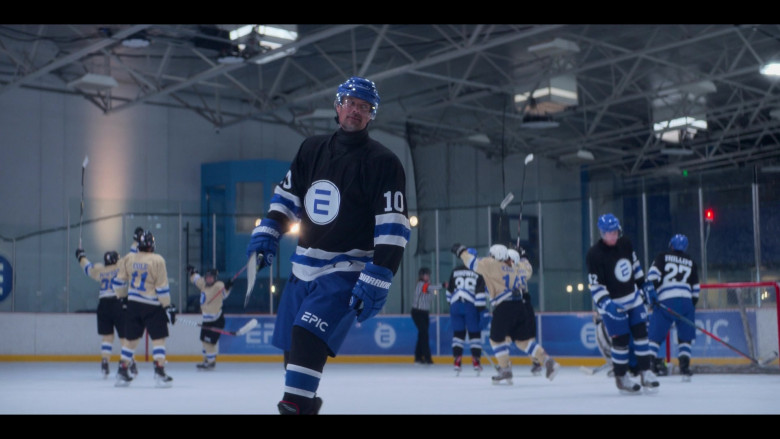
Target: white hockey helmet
{"points": [[498, 252], [514, 255]]}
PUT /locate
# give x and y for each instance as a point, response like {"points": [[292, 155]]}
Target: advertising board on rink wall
{"points": [[561, 334]]}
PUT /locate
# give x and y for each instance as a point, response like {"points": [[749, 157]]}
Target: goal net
{"points": [[736, 330]]}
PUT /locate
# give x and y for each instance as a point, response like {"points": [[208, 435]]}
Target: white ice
{"points": [[255, 388]]}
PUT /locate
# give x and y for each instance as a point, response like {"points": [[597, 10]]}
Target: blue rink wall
{"points": [[561, 334], [570, 337]]}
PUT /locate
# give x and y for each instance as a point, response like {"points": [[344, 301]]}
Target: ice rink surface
{"points": [[65, 388]]}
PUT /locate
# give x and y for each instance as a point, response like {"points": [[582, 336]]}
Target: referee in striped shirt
{"points": [[421, 311]]}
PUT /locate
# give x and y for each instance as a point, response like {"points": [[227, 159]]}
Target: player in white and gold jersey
{"points": [[149, 307], [507, 285], [212, 294], [110, 315]]}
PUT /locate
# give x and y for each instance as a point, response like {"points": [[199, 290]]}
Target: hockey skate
{"points": [[206, 365], [626, 385], [685, 369], [290, 408], [457, 365], [659, 367], [123, 377], [536, 368], [477, 366], [551, 368], [504, 375], [161, 379], [133, 368], [104, 368], [649, 381]]}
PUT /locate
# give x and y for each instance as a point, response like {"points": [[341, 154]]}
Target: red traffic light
{"points": [[709, 215]]}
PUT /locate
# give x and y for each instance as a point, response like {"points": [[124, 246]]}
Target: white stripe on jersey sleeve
{"points": [[399, 227], [279, 207]]}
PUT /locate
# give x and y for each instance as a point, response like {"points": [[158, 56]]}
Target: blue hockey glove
{"points": [[265, 240], [650, 294], [611, 308], [370, 292]]}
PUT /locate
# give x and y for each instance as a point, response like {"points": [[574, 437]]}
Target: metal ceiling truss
{"points": [[454, 80]]}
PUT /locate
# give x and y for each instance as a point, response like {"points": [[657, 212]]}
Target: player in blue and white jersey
{"points": [[467, 296], [348, 192], [676, 278]]}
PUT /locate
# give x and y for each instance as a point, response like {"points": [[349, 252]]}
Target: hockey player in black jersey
{"points": [[617, 284], [676, 277], [348, 192]]}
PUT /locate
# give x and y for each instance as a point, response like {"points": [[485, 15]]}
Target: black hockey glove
{"points": [[190, 270], [170, 313], [228, 285], [457, 249], [80, 254]]}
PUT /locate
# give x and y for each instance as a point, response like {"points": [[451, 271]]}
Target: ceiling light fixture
{"points": [[94, 82], [771, 69], [136, 41]]}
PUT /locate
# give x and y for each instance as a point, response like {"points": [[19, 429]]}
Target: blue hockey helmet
{"points": [[679, 242], [360, 88], [608, 223]]}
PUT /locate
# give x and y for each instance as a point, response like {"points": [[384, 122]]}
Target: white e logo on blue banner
{"points": [[322, 202], [6, 278]]}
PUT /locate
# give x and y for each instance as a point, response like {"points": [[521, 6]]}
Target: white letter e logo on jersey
{"points": [[322, 202], [623, 270]]}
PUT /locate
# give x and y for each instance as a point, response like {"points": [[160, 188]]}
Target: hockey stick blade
{"points": [[251, 275], [248, 327], [767, 361], [594, 370], [241, 331], [508, 199], [84, 163]]}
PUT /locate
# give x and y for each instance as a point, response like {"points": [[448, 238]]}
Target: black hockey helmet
{"points": [[146, 242], [111, 258], [210, 273], [137, 233], [423, 271]]}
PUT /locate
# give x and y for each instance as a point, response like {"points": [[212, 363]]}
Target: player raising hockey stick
{"points": [[616, 282], [212, 294], [110, 315], [507, 283], [349, 193]]}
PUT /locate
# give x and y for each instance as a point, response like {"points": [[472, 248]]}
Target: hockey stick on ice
{"points": [[761, 363], [241, 331], [595, 370], [528, 160], [81, 217]]}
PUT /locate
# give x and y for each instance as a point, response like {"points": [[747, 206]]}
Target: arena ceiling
{"points": [[444, 83]]}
